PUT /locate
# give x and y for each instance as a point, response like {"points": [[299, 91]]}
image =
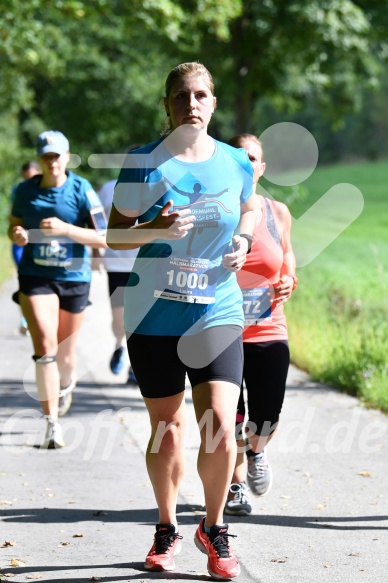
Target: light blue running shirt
{"points": [[57, 258], [180, 286]]}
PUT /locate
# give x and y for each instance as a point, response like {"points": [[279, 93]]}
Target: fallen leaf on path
{"points": [[78, 535], [354, 555], [365, 474], [328, 566], [279, 560], [8, 575], [65, 544], [8, 543], [5, 502], [17, 562]]}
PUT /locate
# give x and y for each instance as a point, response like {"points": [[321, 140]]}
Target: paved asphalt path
{"points": [[87, 512]]}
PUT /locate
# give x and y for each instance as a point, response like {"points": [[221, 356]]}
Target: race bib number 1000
{"points": [[185, 279], [257, 306]]}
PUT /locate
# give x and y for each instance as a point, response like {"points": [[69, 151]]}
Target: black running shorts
{"points": [[73, 295], [160, 363]]}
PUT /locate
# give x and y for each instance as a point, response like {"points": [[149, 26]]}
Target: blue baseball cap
{"points": [[53, 142]]}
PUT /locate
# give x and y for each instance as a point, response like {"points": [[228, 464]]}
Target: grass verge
{"points": [[7, 266], [338, 317]]}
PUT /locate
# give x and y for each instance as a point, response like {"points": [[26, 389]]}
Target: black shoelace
{"points": [[221, 544], [164, 541]]}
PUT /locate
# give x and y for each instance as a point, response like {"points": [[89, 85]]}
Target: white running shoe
{"points": [[238, 502], [66, 397], [53, 438], [259, 474]]}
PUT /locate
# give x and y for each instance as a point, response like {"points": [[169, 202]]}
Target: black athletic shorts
{"points": [[73, 295], [160, 363], [117, 280]]}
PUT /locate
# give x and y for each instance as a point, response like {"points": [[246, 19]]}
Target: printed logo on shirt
{"points": [[203, 205]]}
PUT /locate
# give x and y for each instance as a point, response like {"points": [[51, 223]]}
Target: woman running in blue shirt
{"points": [[190, 195], [49, 216]]}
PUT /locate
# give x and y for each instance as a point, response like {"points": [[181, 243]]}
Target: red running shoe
{"points": [[167, 543], [222, 562]]}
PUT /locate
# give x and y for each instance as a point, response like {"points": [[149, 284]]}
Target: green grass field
{"points": [[338, 317], [7, 267]]}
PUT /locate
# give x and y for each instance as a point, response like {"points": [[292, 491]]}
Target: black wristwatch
{"points": [[249, 238]]}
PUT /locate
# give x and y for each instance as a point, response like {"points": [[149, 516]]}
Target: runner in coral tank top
{"points": [[267, 281]]}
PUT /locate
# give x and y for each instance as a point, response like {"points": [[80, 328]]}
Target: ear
{"points": [[214, 103], [166, 106], [262, 169]]}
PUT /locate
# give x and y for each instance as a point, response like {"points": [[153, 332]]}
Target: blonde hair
{"points": [[192, 69]]}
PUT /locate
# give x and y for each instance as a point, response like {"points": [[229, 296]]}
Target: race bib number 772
{"points": [[257, 306]]}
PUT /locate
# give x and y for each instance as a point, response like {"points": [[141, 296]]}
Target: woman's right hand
{"points": [[20, 235], [177, 224]]}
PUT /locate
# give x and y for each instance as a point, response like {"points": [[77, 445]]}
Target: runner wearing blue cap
{"points": [[49, 218]]}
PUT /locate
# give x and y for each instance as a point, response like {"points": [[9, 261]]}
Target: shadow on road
{"points": [[150, 515]]}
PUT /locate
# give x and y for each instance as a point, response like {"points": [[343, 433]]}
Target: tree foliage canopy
{"points": [[96, 69]]}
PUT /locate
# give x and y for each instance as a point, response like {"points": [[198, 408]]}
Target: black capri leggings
{"points": [[265, 373]]}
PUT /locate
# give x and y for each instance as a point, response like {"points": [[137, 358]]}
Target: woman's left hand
{"points": [[283, 289], [53, 227], [234, 261]]}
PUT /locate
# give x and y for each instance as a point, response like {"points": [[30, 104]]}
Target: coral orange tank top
{"points": [[264, 321]]}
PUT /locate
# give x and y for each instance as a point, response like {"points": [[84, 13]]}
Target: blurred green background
{"points": [[95, 71]]}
